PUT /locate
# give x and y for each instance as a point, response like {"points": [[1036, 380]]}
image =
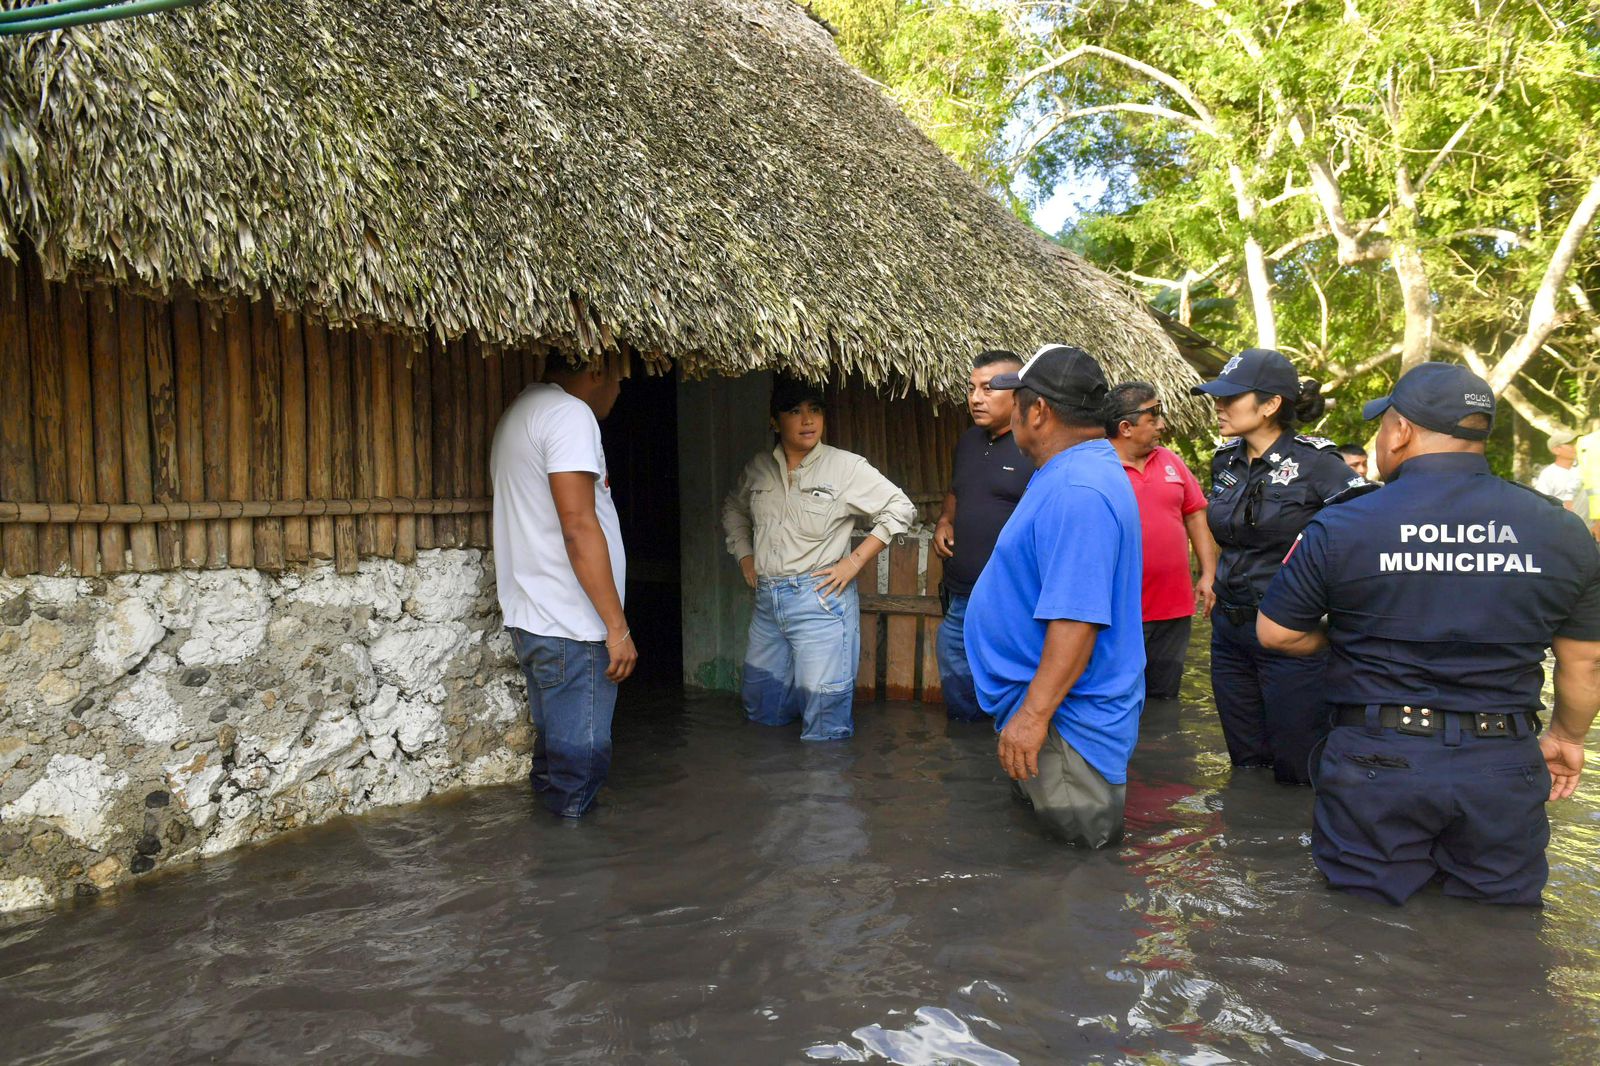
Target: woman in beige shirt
{"points": [[788, 522]]}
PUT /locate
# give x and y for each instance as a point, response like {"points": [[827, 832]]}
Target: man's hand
{"points": [[747, 567], [1205, 595], [837, 578], [944, 539], [1020, 742], [1564, 758], [624, 656]]}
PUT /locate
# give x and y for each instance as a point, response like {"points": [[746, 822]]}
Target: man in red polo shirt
{"points": [[1172, 512]]}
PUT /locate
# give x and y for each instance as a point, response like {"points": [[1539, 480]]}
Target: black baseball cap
{"points": [[1254, 370], [1062, 374], [1438, 396]]}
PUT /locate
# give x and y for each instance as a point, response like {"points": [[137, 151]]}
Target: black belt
{"points": [[1239, 616], [1426, 721]]}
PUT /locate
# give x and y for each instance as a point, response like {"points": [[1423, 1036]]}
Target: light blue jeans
{"points": [[955, 673], [570, 702], [802, 656]]}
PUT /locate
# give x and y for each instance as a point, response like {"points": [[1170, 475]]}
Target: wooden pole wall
{"points": [[161, 370], [405, 453], [346, 548], [49, 412], [291, 347], [381, 414], [216, 374], [319, 435], [422, 421], [19, 545], [106, 381], [191, 419], [241, 382], [78, 398]]}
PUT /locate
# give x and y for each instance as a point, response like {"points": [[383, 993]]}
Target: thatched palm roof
{"points": [[704, 180]]}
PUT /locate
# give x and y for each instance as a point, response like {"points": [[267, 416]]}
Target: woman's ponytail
{"points": [[1309, 403]]}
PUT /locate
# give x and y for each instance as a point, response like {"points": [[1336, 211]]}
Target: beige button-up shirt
{"points": [[796, 522]]}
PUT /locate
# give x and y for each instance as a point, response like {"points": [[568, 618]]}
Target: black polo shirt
{"points": [[989, 477]]}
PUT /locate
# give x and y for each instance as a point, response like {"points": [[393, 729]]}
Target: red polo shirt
{"points": [[1167, 492]]}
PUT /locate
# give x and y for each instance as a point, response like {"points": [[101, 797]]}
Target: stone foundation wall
{"points": [[151, 719]]}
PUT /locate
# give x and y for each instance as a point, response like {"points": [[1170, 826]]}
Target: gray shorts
{"points": [[1071, 798]]}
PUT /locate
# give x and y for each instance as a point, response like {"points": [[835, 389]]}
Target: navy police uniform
{"points": [[1271, 705], [1442, 592]]}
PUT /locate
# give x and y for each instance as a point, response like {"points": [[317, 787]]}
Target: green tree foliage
{"points": [[1362, 184], [949, 64]]}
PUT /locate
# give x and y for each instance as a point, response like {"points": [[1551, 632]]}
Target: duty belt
{"points": [[1239, 616], [1426, 721]]}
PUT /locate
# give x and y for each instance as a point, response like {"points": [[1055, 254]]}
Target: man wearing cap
{"points": [[1562, 478], [1053, 628], [1442, 592]]}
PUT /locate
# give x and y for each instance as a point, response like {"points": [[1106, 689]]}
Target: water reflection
{"points": [[744, 898]]}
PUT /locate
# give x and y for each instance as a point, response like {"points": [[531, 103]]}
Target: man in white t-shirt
{"points": [[559, 574], [1562, 479]]}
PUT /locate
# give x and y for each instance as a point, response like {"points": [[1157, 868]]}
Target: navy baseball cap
{"points": [[1438, 396], [1254, 370], [1066, 375]]}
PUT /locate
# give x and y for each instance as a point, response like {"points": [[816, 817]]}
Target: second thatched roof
{"points": [[704, 180]]}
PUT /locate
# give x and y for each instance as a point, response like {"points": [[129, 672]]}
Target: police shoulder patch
{"points": [[1316, 442], [1231, 442]]}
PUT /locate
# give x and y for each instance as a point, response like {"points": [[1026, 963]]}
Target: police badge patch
{"points": [[1231, 365], [1287, 471]]}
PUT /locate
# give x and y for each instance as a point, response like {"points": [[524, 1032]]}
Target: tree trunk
{"points": [[1255, 265], [1412, 277]]}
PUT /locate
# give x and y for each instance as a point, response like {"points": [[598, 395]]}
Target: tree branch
{"points": [[1461, 131], [1202, 119], [1543, 317]]}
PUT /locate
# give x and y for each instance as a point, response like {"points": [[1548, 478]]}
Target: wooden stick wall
{"points": [[912, 442], [109, 398]]}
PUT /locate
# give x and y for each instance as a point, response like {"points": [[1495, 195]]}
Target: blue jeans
{"points": [[955, 673], [570, 701], [802, 656]]}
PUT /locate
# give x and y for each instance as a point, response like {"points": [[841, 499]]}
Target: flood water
{"points": [[745, 899]]}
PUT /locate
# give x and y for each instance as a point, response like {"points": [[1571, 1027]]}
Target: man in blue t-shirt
{"points": [[1054, 628]]}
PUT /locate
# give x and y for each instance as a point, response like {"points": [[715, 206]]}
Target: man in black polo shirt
{"points": [[990, 474]]}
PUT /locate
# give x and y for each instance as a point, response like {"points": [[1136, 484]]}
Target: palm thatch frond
{"points": [[706, 181]]}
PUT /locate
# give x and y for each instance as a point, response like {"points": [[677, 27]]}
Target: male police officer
{"points": [[1442, 591]]}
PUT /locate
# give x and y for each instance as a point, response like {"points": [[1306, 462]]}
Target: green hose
{"points": [[57, 16]]}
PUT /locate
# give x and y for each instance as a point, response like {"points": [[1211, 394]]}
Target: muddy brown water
{"points": [[743, 898]]}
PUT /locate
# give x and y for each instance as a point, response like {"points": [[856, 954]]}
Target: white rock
{"points": [[191, 783], [445, 586], [21, 893], [238, 817], [229, 612], [75, 794], [496, 768], [504, 702], [377, 583], [125, 636], [283, 631], [380, 719], [56, 591], [335, 742], [415, 655], [420, 723], [366, 681], [147, 709], [385, 783]]}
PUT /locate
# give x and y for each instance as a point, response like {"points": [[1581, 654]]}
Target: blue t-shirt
{"points": [[1070, 551]]}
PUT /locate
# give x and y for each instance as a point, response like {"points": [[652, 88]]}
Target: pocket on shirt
{"points": [[764, 504], [815, 516]]}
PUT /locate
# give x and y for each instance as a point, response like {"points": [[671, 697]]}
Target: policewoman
{"points": [[1266, 484], [788, 521], [1442, 593]]}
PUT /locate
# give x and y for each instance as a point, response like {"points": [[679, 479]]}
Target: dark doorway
{"points": [[641, 442]]}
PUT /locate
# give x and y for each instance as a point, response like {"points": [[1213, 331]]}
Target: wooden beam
{"points": [[160, 367], [346, 553], [13, 512], [266, 424], [241, 386], [383, 434], [138, 479], [106, 381], [216, 375], [190, 421], [49, 410], [291, 349], [19, 548], [422, 428], [78, 398], [366, 474], [405, 454], [319, 433]]}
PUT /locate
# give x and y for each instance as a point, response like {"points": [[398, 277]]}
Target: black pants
{"points": [[1166, 644], [1271, 705]]}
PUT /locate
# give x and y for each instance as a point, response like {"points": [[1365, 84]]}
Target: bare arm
{"points": [[573, 492], [1205, 552], [1067, 648], [1278, 638], [944, 531], [1577, 701]]}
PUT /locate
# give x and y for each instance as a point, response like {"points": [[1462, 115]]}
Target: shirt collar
{"points": [[1444, 464], [810, 457]]}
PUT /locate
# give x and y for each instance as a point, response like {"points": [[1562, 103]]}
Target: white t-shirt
{"points": [[545, 431], [1565, 483]]}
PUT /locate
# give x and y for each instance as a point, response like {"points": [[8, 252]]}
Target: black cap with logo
{"points": [[1254, 370], [1062, 374], [1438, 396]]}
